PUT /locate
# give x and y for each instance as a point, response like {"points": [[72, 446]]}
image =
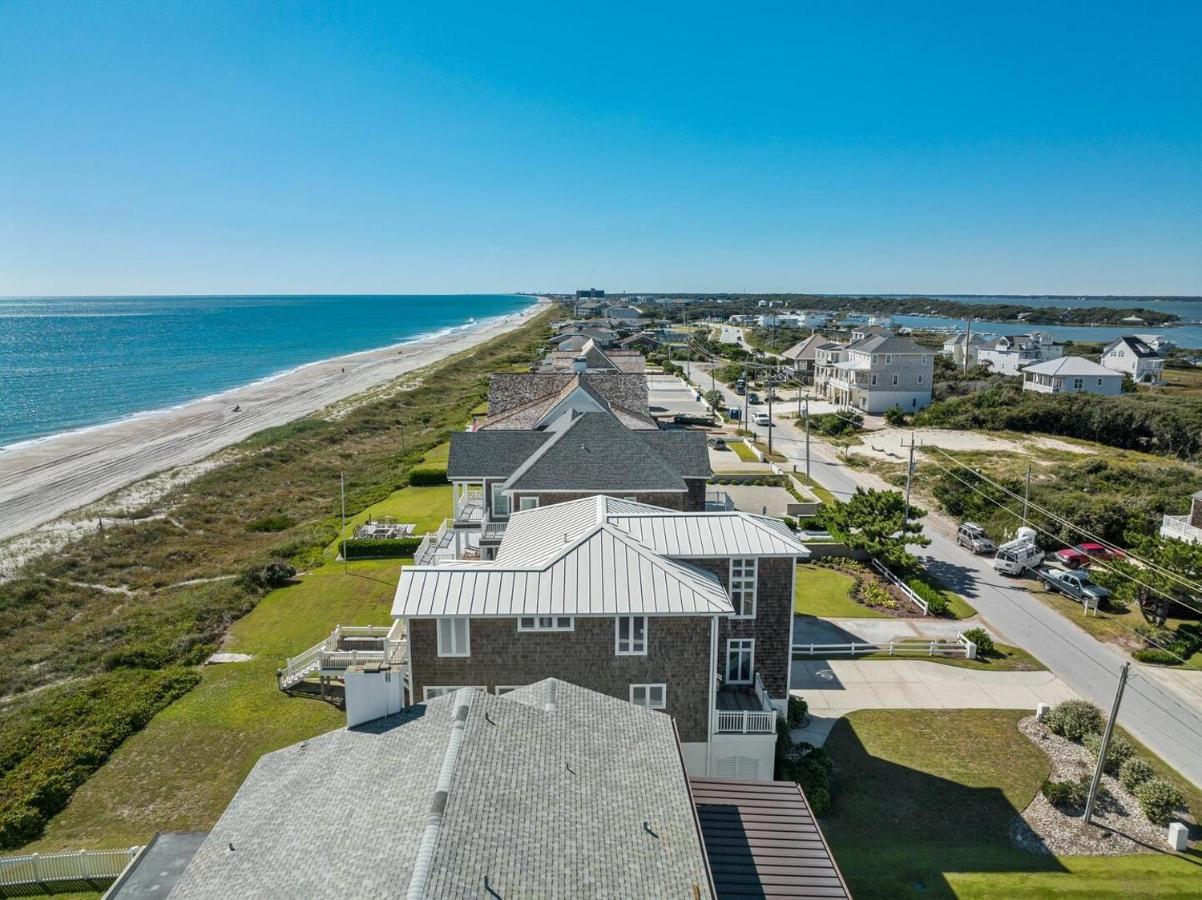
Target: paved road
{"points": [[1163, 719]]}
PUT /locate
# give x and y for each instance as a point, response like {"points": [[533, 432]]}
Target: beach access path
{"points": [[41, 480]]}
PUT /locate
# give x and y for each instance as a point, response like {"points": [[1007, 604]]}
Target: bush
{"points": [[811, 767], [1119, 751], [1156, 656], [1066, 793], [381, 548], [895, 415], [1134, 772], [936, 603], [873, 594], [271, 523], [1073, 719], [797, 711], [268, 576], [427, 477], [1159, 800], [834, 424], [982, 639]]}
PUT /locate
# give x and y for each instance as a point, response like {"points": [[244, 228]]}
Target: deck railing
{"points": [[1179, 527], [46, 872], [435, 547], [749, 721], [327, 656]]}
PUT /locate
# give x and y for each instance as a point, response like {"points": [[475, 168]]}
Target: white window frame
{"points": [[895, 377], [1078, 384], [744, 645], [533, 624], [527, 503], [629, 646], [873, 383], [448, 641], [741, 585], [888, 359], [647, 700], [497, 499]]}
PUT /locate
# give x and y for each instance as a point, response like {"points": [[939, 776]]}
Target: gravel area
{"points": [[1043, 828]]}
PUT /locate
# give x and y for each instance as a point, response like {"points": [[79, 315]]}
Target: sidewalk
{"points": [[833, 688]]}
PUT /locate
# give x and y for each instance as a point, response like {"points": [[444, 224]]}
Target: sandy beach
{"points": [[44, 479]]}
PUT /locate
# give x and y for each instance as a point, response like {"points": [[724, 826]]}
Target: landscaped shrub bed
{"points": [[1073, 719], [381, 548], [49, 750], [427, 477]]}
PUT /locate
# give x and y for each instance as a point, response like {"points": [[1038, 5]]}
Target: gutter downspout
{"points": [[713, 700], [429, 841]]}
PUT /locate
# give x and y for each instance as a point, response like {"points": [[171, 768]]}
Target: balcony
{"points": [[744, 709], [493, 532], [346, 647], [1179, 529]]}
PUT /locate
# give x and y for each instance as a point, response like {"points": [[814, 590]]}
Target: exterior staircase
{"points": [[346, 646]]}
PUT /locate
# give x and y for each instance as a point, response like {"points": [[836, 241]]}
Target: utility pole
{"points": [[967, 346], [342, 491], [1114, 714], [807, 439], [745, 387], [909, 477], [1027, 495], [771, 391]]}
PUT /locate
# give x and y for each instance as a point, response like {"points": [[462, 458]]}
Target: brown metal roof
{"points": [[762, 840]]}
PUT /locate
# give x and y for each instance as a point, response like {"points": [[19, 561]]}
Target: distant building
{"points": [[1010, 353], [1072, 375], [960, 345], [860, 332], [1187, 528], [590, 294], [1135, 357]]}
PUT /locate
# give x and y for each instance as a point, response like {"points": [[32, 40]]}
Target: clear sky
{"points": [[176, 146]]}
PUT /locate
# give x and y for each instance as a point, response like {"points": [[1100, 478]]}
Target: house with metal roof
{"points": [[574, 449], [1072, 375], [685, 612], [1009, 354], [876, 373], [1135, 357]]}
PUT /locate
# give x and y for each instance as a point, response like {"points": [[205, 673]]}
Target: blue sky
{"points": [[183, 147]]}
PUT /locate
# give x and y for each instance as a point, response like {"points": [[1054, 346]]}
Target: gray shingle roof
{"points": [[887, 343], [804, 349], [1137, 346], [509, 390], [543, 800], [491, 454], [686, 451]]}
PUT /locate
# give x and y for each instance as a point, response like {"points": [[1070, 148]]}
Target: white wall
{"points": [[743, 756], [879, 401], [373, 695]]}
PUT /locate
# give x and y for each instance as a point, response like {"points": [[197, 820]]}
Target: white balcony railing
{"points": [[749, 721], [1180, 529], [340, 651], [493, 531]]}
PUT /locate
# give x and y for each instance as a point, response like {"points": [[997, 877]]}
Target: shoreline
{"points": [[43, 478]]}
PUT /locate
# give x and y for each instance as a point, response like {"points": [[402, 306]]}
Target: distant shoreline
{"points": [[43, 478]]}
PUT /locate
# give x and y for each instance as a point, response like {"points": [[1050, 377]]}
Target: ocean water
{"points": [[73, 362]]}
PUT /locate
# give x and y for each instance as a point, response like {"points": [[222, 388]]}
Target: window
{"points": [[920, 377], [500, 503], [888, 359], [429, 692], [453, 637], [1099, 382], [528, 503], [895, 381], [1078, 384], [545, 623], [742, 587], [652, 696], [740, 660], [874, 381], [630, 635]]}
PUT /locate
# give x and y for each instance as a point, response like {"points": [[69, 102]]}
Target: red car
{"points": [[1084, 554]]}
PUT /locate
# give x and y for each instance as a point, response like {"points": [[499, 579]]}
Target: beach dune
{"points": [[42, 480]]}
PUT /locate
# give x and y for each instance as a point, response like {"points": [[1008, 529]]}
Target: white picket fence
{"points": [[906, 590], [53, 870], [961, 646]]}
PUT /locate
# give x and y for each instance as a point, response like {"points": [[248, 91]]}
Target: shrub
{"points": [[895, 415], [271, 523], [1156, 656], [1119, 751], [873, 594], [1134, 772], [1073, 719], [1159, 800], [811, 767], [268, 576], [427, 477], [1066, 793], [797, 711], [936, 602], [381, 548], [982, 639]]}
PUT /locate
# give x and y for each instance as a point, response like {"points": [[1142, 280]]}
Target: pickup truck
{"points": [[1084, 554], [1074, 584]]}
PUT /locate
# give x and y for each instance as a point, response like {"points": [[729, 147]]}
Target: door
{"points": [[740, 660]]}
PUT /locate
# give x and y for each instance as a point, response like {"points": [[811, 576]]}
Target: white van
{"points": [[762, 418], [1018, 555]]}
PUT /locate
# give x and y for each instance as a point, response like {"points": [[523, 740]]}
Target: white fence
{"points": [[961, 646], [739, 721], [906, 590], [48, 871]]}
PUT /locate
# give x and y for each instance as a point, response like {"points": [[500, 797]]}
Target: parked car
{"points": [[761, 418], [1016, 556], [754, 399], [1083, 554], [972, 536], [717, 443], [1073, 584], [740, 388]]}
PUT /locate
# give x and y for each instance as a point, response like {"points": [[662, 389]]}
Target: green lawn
{"points": [[923, 800], [818, 490], [957, 606], [742, 451], [425, 507], [819, 591], [179, 773]]}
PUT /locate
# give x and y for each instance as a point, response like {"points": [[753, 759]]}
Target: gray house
{"points": [[876, 373]]}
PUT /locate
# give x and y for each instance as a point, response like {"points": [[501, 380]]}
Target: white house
{"points": [[1072, 375], [1011, 353], [1135, 357], [1157, 342], [961, 343]]}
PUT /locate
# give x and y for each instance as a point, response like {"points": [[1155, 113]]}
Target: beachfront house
{"points": [[1072, 375], [685, 612], [575, 451], [1135, 357], [1011, 353], [1157, 342], [875, 374]]}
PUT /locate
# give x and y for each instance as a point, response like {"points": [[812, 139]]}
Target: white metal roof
{"points": [[1070, 366], [603, 573]]}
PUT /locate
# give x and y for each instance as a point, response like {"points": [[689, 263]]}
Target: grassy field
{"points": [[923, 801], [180, 772], [819, 591], [425, 507]]}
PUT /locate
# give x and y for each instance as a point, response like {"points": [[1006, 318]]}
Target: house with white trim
{"points": [[876, 373], [1135, 357], [1072, 375], [1010, 353]]}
